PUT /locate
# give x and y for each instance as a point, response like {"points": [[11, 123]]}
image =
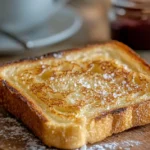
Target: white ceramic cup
{"points": [[21, 15]]}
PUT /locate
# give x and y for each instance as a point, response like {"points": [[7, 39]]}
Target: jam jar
{"points": [[130, 23]]}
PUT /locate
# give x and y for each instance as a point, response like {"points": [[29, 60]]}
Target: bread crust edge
{"points": [[97, 129]]}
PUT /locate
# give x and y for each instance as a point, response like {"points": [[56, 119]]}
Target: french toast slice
{"points": [[76, 97]]}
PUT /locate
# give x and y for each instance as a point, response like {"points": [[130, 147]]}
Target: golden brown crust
{"points": [[122, 47], [52, 135], [98, 128], [82, 132], [61, 136], [118, 120], [19, 106], [133, 55]]}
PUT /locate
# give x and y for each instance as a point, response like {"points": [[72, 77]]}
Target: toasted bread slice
{"points": [[80, 96]]}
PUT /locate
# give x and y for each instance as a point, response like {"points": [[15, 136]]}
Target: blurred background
{"points": [[35, 27]]}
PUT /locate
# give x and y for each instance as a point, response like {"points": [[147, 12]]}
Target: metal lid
{"points": [[133, 4]]}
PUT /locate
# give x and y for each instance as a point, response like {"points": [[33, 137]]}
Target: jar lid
{"points": [[133, 4]]}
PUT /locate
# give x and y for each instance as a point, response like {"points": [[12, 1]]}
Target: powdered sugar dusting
{"points": [[52, 78], [113, 145], [84, 147], [57, 55], [115, 95], [108, 76], [13, 132]]}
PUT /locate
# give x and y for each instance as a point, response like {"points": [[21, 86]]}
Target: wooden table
{"points": [[13, 135]]}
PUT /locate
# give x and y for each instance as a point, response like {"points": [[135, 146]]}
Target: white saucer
{"points": [[61, 26]]}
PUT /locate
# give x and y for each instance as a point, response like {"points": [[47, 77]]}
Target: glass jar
{"points": [[130, 23]]}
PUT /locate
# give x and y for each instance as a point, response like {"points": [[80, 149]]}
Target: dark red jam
{"points": [[130, 23], [134, 33]]}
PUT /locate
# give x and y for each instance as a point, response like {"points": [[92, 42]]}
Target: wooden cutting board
{"points": [[14, 136]]}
